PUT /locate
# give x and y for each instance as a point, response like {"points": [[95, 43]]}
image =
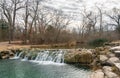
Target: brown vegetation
{"points": [[39, 27]]}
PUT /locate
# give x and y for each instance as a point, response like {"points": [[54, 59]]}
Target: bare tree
{"points": [[88, 25], [44, 20], [25, 33], [34, 16], [115, 17], [9, 9], [59, 24], [101, 21]]}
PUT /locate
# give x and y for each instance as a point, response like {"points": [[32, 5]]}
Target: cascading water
{"points": [[44, 64], [17, 55], [25, 58], [46, 56], [56, 56]]}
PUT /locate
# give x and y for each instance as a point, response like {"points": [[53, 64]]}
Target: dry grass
{"points": [[6, 46], [19, 45]]}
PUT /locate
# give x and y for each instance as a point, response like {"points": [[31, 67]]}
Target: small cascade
{"points": [[17, 55], [54, 56], [20, 54], [25, 58]]}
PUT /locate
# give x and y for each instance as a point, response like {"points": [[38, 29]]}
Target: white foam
{"points": [[14, 58], [46, 58], [24, 60], [47, 62]]}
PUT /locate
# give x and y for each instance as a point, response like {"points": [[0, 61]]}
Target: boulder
{"points": [[11, 55], [117, 65], [110, 74], [111, 55], [115, 48], [107, 68], [103, 58], [117, 53], [83, 57], [97, 74], [113, 60], [5, 57]]}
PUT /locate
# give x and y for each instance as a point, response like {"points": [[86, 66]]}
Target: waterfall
{"points": [[17, 55], [54, 56], [25, 58]]}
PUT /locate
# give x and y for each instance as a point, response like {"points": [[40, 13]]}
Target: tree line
{"points": [[27, 21]]}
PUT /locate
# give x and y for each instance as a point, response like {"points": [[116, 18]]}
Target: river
{"points": [[27, 69]]}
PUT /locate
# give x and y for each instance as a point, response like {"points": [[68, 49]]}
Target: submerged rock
{"points": [[83, 57]]}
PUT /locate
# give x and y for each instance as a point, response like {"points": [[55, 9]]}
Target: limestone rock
{"points": [[83, 57], [111, 55], [113, 60], [110, 74], [103, 58], [117, 65], [107, 68], [97, 74], [117, 53], [115, 48]]}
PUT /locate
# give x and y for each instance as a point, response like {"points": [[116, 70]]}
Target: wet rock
{"points": [[83, 57], [3, 53], [5, 57], [11, 55], [0, 56], [97, 74]]}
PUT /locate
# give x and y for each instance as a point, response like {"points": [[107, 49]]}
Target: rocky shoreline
{"points": [[108, 65], [104, 61]]}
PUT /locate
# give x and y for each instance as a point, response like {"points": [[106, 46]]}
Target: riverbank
{"points": [[19, 45], [14, 45], [107, 64], [104, 61]]}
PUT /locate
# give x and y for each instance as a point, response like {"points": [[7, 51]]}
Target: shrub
{"points": [[98, 42]]}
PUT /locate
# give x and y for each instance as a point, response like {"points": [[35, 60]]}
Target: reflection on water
{"points": [[24, 69]]}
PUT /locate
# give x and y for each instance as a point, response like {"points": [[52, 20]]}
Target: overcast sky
{"points": [[74, 7]]}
